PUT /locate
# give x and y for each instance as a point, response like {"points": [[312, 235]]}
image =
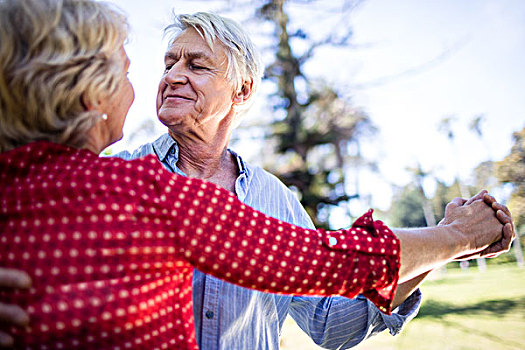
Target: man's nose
{"points": [[176, 75]]}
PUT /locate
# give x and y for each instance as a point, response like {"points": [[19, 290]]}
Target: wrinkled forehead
{"points": [[194, 37], [189, 42]]}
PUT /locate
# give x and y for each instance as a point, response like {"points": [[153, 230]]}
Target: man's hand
{"points": [[508, 233], [475, 221], [12, 315]]}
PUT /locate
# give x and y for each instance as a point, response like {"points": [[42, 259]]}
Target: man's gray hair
{"points": [[244, 60]]}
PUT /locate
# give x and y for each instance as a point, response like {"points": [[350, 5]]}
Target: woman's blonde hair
{"points": [[56, 57]]}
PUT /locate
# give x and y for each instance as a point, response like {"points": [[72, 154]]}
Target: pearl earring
{"points": [[104, 116]]}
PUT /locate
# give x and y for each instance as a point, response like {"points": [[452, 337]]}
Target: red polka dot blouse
{"points": [[111, 245]]}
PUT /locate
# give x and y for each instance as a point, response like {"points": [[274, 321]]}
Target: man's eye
{"points": [[196, 66], [168, 67]]}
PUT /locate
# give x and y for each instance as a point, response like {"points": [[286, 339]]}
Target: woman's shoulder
{"points": [[143, 174], [148, 164]]}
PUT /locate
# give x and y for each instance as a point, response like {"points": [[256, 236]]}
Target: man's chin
{"points": [[170, 121]]}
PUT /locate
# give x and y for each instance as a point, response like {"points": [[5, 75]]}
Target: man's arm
{"points": [[404, 290], [467, 229], [342, 323], [503, 215]]}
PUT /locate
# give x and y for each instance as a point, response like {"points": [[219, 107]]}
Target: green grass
{"points": [[461, 311]]}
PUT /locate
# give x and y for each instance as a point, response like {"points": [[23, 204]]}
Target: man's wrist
{"points": [[459, 244]]}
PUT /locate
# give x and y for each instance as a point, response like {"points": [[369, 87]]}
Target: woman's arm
{"points": [[256, 251], [405, 289], [466, 229], [221, 236]]}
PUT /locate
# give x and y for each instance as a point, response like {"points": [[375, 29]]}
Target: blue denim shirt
{"points": [[228, 317]]}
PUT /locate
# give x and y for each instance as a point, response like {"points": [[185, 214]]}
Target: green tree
{"points": [[407, 208], [511, 170], [317, 135], [442, 196]]}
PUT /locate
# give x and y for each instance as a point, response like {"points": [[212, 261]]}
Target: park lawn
{"points": [[461, 310]]}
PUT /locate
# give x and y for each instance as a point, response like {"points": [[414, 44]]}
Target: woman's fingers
{"points": [[509, 234], [501, 246], [489, 199], [478, 196], [498, 206], [503, 217]]}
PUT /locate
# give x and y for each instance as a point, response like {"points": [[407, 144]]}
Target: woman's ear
{"points": [[88, 104], [244, 93]]}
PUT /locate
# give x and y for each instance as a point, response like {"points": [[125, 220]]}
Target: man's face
{"points": [[194, 91]]}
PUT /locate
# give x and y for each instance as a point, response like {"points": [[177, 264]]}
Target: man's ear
{"points": [[244, 93]]}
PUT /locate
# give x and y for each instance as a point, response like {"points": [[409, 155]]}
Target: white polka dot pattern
{"points": [[111, 246]]}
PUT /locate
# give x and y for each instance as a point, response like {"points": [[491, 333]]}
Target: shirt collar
{"points": [[240, 162], [163, 145], [242, 182], [167, 151]]}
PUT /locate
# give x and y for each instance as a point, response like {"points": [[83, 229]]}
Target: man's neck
{"points": [[208, 161]]}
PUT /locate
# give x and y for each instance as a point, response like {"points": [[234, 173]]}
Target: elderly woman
{"points": [[110, 244]]}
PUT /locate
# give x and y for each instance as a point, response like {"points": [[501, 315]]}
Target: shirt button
{"points": [[209, 314], [332, 240]]}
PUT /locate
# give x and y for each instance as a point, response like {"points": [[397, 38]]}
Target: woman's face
{"points": [[117, 105]]}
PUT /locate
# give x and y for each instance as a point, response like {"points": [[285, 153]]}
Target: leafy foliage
{"points": [[312, 141], [407, 208], [511, 170]]}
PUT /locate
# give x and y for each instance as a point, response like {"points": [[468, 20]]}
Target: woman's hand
{"points": [[12, 315]]}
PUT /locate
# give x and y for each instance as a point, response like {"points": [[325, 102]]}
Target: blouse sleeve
{"points": [[222, 237]]}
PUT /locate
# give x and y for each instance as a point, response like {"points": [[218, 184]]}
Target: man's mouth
{"points": [[175, 96]]}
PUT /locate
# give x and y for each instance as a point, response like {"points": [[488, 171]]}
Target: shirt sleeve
{"points": [[338, 322], [223, 237], [341, 323], [331, 322]]}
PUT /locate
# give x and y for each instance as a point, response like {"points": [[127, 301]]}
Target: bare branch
{"points": [[330, 40], [417, 69]]}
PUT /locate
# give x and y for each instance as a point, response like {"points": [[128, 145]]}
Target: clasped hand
{"points": [[486, 224]]}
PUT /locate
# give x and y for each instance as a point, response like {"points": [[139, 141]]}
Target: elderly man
{"points": [[212, 70]]}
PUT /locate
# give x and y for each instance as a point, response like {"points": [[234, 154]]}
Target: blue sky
{"points": [[416, 62], [481, 46]]}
